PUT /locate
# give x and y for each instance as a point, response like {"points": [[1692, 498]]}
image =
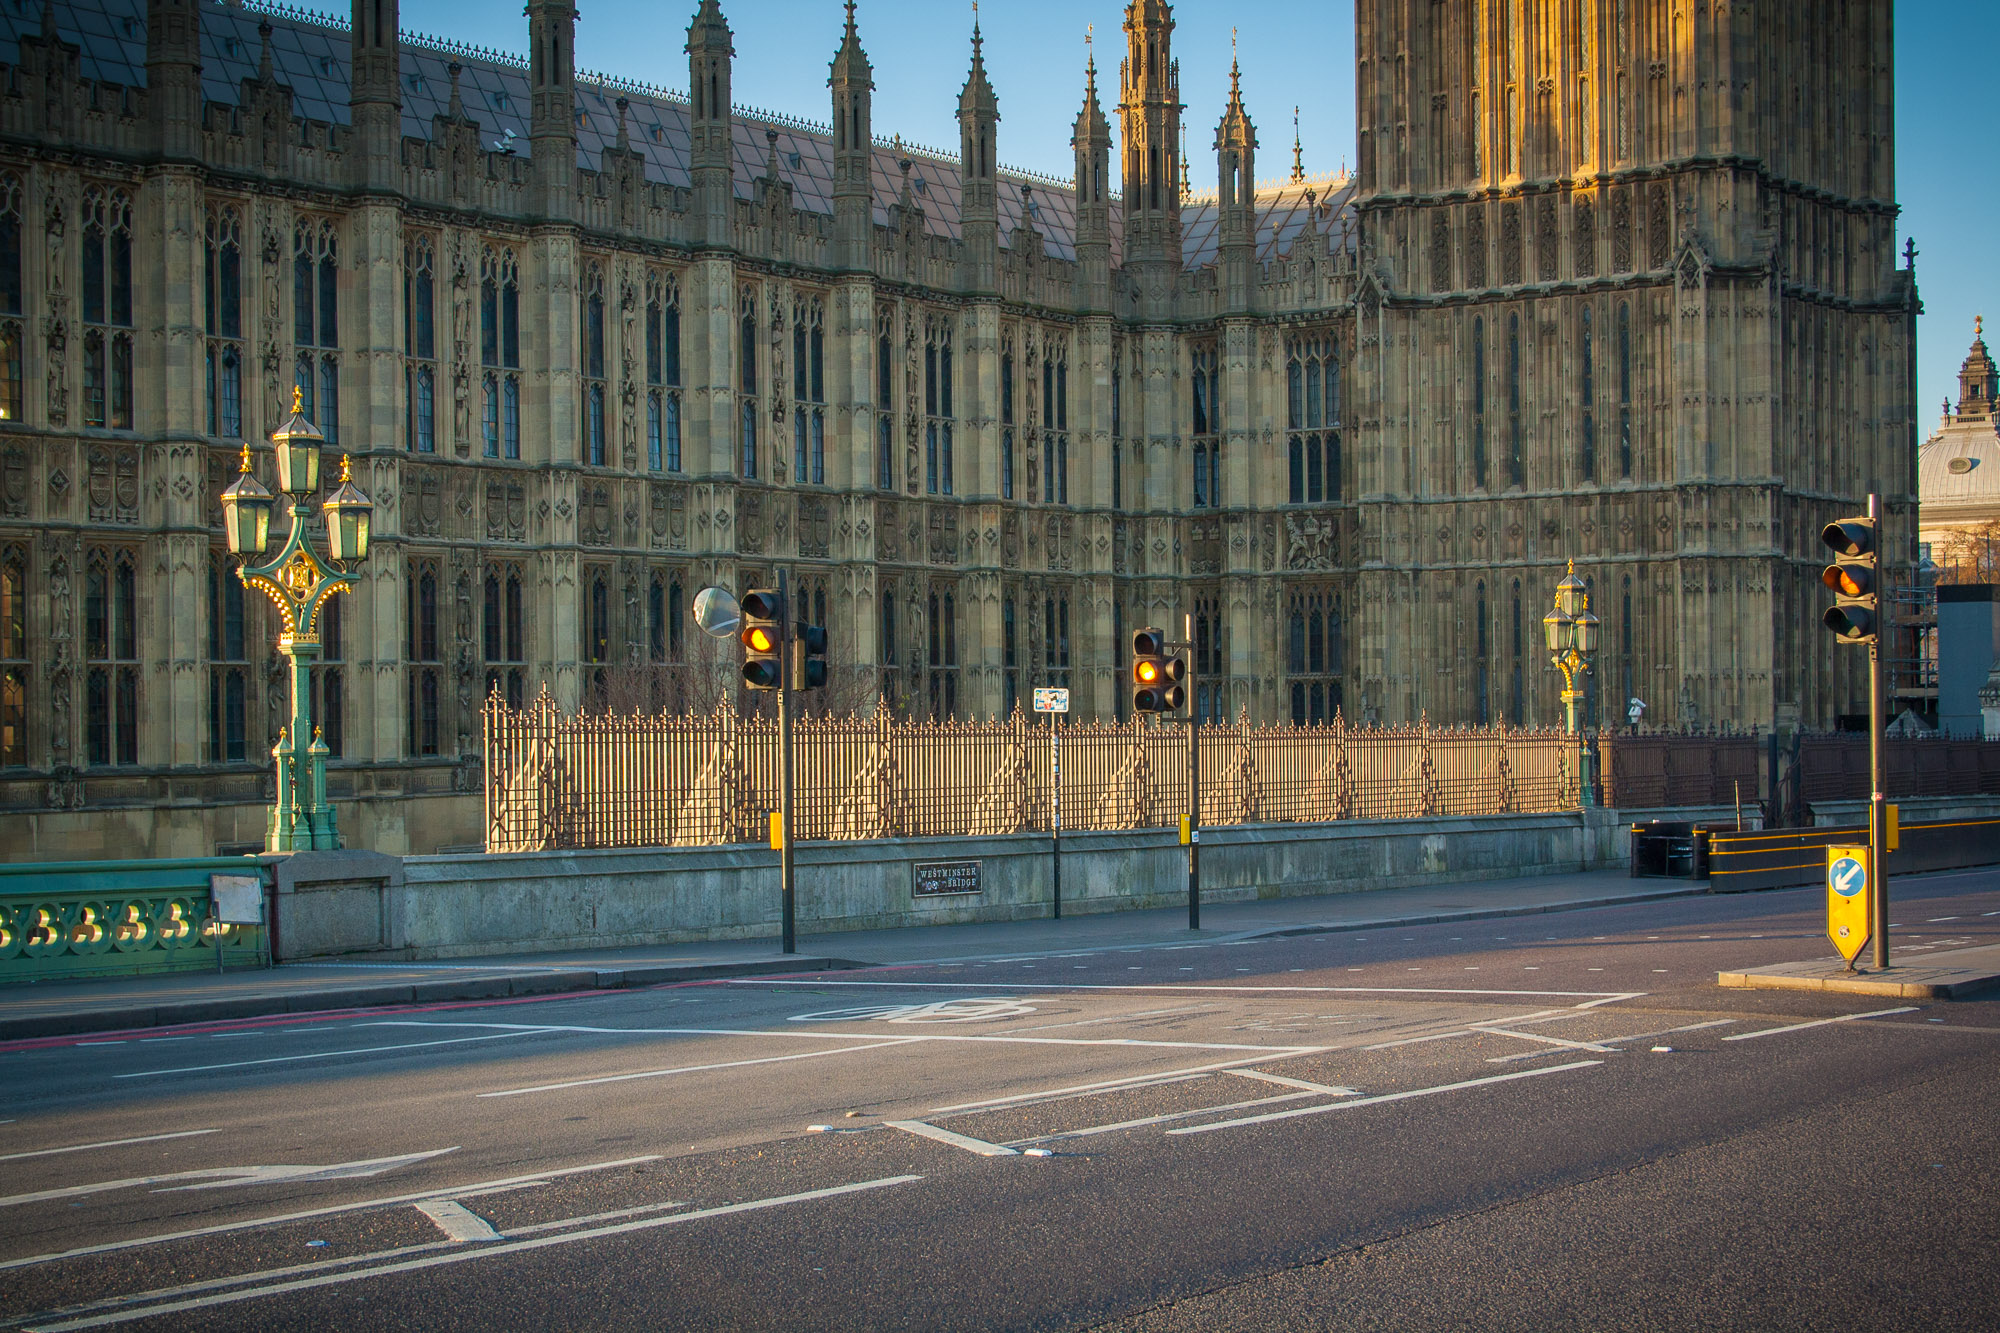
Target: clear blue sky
{"points": [[1294, 52]]}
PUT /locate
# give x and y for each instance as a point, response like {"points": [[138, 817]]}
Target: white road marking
{"points": [[1384, 1097], [1612, 1043], [107, 1143], [1821, 1022], [316, 1055], [457, 1221], [231, 1175], [696, 1069], [320, 1266], [1105, 1085], [1281, 1079], [1412, 1041], [1144, 1121], [459, 1255], [1547, 1041], [971, 1145], [1934, 920], [1596, 996], [444, 1191]]}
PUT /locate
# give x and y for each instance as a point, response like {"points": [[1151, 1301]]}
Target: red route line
{"points": [[214, 1027]]}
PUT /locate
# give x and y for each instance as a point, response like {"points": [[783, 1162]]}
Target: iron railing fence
{"points": [[556, 781]]}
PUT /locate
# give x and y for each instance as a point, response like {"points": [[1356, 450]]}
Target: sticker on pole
{"points": [[1850, 899], [1050, 699]]}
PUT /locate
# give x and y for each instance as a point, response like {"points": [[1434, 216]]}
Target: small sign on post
{"points": [[1051, 699], [1850, 900]]}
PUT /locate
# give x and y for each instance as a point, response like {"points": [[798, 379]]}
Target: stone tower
{"points": [[375, 97], [173, 75], [853, 85], [710, 48], [1236, 194], [1092, 141], [978, 132], [1614, 250], [1149, 123], [1978, 380], [552, 89]]}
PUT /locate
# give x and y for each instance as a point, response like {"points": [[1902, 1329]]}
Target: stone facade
{"points": [[1614, 282]]}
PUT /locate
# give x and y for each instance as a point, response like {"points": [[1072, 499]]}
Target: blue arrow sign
{"points": [[1849, 876]]}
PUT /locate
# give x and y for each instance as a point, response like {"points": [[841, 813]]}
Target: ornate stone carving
{"points": [[1309, 542]]}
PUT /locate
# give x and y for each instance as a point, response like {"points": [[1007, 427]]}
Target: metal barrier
{"points": [[654, 780], [1783, 858], [120, 918]]}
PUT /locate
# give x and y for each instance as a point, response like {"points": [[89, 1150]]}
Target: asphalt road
{"points": [[1540, 1122]]}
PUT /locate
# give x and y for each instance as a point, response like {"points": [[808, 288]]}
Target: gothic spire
{"points": [[1298, 152]]}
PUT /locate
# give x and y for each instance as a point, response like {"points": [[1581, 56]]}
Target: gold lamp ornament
{"points": [[349, 515], [246, 512], [298, 443]]}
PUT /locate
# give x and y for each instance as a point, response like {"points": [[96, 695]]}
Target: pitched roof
{"points": [[309, 54]]}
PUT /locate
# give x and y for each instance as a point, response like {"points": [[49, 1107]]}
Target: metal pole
{"points": [[1878, 855], [1194, 787], [786, 884], [1055, 808]]}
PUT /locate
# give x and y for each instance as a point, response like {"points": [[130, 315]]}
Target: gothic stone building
{"points": [[1615, 281]]}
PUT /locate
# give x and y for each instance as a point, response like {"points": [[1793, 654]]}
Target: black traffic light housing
{"points": [[1156, 674], [763, 639], [1854, 578], [812, 656]]}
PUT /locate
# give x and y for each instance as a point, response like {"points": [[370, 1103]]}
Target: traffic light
{"points": [[763, 636], [1156, 676], [1853, 578], [812, 656]]}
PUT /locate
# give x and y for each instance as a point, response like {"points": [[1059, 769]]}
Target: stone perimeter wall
{"points": [[468, 906]]}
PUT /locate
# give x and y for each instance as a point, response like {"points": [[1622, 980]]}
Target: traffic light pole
{"points": [[786, 880], [1194, 789], [1878, 852]]}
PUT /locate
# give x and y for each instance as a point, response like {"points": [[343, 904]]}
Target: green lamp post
{"points": [[298, 580], [1572, 636]]}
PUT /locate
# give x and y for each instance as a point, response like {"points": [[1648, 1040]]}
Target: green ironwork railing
{"points": [[84, 919]]}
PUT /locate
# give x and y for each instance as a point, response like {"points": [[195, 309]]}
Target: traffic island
{"points": [[1953, 975]]}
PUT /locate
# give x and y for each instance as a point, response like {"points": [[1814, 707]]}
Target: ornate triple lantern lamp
{"points": [[298, 581], [1572, 636]]}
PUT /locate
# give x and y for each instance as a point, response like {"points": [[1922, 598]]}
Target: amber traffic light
{"points": [[1852, 578], [1156, 675], [763, 637]]}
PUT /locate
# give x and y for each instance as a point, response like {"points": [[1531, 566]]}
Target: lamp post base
{"points": [[301, 831]]}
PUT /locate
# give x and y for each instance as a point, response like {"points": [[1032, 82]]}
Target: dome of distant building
{"points": [[1958, 467]]}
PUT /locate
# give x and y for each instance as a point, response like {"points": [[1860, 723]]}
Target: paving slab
{"points": [[1952, 975]]}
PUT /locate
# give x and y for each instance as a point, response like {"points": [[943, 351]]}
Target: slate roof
{"points": [[309, 53]]}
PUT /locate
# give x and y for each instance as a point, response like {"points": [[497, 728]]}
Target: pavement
{"points": [[69, 1008], [1953, 975]]}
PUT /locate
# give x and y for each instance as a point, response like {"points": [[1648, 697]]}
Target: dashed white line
{"points": [[107, 1143]]}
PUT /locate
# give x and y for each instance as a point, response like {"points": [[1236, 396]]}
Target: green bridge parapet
{"points": [[87, 919]]}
